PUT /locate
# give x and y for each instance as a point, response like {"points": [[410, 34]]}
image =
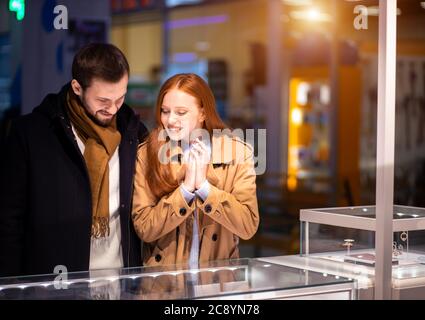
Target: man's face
{"points": [[102, 99]]}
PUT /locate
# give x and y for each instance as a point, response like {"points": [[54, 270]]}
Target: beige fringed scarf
{"points": [[100, 144]]}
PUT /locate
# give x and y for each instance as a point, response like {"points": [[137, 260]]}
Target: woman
{"points": [[194, 189]]}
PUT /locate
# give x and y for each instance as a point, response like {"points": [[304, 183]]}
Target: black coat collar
{"points": [[53, 106]]}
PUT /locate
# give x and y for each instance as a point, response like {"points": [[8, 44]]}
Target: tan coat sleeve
{"points": [[153, 219], [237, 210]]}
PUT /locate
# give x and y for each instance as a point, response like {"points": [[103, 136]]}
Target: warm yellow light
{"points": [[423, 4], [297, 116], [291, 183], [302, 93], [311, 15], [298, 2]]}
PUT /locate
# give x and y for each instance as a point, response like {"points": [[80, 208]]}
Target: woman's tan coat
{"points": [[230, 211]]}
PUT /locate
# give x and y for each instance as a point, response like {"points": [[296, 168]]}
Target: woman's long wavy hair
{"points": [[158, 175]]}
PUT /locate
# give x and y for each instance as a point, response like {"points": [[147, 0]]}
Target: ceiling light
{"points": [[298, 2], [311, 15]]}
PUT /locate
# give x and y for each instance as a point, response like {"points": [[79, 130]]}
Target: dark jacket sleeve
{"points": [[143, 132], [13, 202]]}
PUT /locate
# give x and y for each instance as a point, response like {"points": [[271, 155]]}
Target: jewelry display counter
{"points": [[227, 279]]}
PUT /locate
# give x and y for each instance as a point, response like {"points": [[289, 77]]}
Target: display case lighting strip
{"points": [[115, 278]]}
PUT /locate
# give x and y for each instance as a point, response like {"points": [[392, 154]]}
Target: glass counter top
{"points": [[364, 217], [210, 280], [399, 212]]}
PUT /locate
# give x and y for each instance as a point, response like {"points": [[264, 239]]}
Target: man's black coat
{"points": [[45, 198]]}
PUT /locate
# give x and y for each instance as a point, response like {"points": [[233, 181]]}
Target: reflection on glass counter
{"points": [[399, 212], [227, 279], [408, 279]]}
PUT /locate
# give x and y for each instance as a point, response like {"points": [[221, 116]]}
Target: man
{"points": [[67, 174]]}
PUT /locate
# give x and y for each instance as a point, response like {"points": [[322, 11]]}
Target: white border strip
{"points": [[385, 146]]}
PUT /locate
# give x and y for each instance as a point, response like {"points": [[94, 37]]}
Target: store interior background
{"points": [[298, 68]]}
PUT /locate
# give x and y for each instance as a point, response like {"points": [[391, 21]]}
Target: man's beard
{"points": [[100, 122]]}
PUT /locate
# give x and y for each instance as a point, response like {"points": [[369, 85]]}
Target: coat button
{"points": [[158, 258], [208, 208], [182, 211], [214, 237], [122, 205]]}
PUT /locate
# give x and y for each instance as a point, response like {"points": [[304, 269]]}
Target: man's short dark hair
{"points": [[101, 61]]}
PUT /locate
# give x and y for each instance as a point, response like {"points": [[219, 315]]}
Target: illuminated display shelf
{"points": [[342, 241], [226, 279]]}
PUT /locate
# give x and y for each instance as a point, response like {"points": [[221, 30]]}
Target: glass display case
{"points": [[343, 239], [227, 279], [351, 230]]}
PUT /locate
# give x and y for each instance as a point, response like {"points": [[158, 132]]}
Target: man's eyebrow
{"points": [[123, 95], [107, 99]]}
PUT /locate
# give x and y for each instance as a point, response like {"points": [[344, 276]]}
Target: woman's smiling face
{"points": [[180, 114]]}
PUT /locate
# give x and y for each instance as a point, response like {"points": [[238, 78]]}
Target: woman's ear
{"points": [[76, 87]]}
